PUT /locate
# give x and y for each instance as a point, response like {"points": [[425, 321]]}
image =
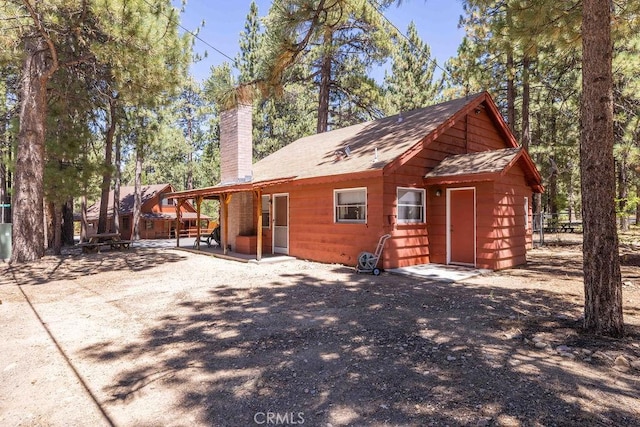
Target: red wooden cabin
{"points": [[449, 182], [157, 213]]}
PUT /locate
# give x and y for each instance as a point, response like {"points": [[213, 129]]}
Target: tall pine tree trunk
{"points": [[137, 202], [189, 114], [325, 83], [28, 218], [56, 227], [116, 185], [526, 100], [553, 172], [84, 222], [67, 222], [553, 192], [108, 165], [601, 261], [5, 153], [511, 93], [537, 197]]}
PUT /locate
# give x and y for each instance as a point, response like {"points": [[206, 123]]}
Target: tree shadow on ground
{"points": [[364, 350], [54, 268]]}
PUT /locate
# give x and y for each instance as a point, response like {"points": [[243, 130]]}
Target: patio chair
{"points": [[212, 239]]}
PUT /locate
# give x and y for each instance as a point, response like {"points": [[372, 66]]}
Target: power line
{"points": [[196, 36], [376, 6], [208, 44]]}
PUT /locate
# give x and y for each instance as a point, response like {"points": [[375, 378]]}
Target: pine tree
{"points": [[326, 36], [411, 83], [601, 261], [247, 61], [277, 120], [135, 42]]}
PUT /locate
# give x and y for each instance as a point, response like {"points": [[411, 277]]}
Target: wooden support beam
{"points": [[225, 199], [198, 205], [258, 195], [178, 220]]}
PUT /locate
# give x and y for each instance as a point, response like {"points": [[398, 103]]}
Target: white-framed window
{"points": [[350, 205], [411, 205], [526, 213], [266, 205]]}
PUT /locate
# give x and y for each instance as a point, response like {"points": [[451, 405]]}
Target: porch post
{"points": [[258, 194], [225, 199], [198, 204], [178, 206]]}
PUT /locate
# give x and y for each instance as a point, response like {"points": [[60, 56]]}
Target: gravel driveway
{"points": [[166, 337]]}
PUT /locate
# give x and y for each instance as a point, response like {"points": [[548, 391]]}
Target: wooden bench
{"points": [[121, 244], [92, 247]]}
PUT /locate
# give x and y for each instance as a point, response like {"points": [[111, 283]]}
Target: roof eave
{"points": [[218, 190], [461, 178]]}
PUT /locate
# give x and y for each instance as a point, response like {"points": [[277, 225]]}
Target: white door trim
{"points": [[448, 224], [279, 249]]}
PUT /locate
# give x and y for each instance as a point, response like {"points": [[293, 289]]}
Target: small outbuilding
{"points": [[449, 182]]}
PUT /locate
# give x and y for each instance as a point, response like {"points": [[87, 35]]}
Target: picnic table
{"points": [[563, 227], [96, 242], [570, 226]]}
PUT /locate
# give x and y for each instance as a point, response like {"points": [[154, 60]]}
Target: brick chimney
{"points": [[236, 145], [236, 150]]}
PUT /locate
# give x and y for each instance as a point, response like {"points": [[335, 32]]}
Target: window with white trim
{"points": [[411, 205], [350, 205], [526, 213], [266, 204]]}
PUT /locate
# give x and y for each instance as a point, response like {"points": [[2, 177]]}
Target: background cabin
{"points": [[157, 213]]}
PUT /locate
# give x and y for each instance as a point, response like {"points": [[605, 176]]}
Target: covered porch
{"points": [[189, 244], [246, 244]]}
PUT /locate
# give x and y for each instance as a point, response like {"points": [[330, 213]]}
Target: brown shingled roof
{"points": [[484, 165], [323, 154], [127, 194], [494, 161]]}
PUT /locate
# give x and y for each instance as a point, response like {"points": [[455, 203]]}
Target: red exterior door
{"points": [[461, 234]]}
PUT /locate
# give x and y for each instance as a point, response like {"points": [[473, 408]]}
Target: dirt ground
{"points": [[166, 337]]}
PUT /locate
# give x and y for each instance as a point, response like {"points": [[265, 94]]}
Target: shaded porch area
{"points": [[188, 244], [241, 217]]}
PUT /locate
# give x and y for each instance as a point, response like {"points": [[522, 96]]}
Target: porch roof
{"points": [[217, 190], [484, 166]]}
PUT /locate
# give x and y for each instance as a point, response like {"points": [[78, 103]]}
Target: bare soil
{"points": [[167, 337]]}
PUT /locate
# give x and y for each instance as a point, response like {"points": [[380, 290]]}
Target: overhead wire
{"points": [[374, 3], [196, 36], [376, 6]]}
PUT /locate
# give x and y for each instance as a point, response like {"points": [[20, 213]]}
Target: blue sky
{"points": [[436, 20]]}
